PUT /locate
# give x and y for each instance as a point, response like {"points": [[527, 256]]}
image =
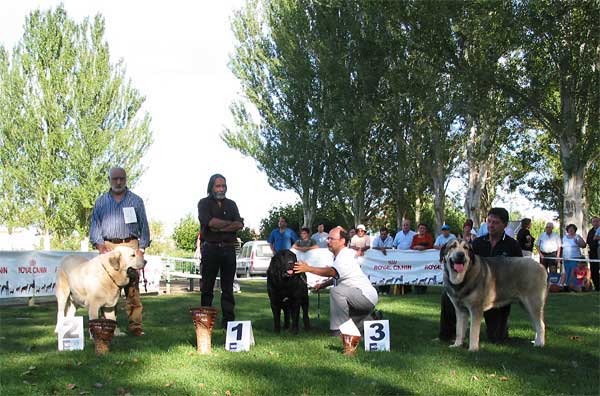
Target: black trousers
{"points": [[594, 267], [496, 321], [215, 260], [546, 263]]}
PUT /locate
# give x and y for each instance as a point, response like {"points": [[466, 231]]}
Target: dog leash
{"points": [[318, 304], [111, 278], [145, 281]]}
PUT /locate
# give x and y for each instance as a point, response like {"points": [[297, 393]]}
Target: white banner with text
{"points": [[33, 273]]}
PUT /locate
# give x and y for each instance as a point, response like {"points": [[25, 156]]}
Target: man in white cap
{"points": [[361, 241]]}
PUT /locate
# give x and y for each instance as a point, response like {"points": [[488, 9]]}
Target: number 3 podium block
{"points": [[377, 335]]}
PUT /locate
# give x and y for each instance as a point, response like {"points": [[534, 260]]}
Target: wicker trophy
{"points": [[204, 320], [350, 344], [102, 331]]}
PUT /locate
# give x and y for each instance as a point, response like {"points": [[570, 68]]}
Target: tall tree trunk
{"points": [[479, 171], [309, 207], [574, 200], [439, 197], [417, 211]]}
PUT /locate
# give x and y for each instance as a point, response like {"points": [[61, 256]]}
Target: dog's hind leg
{"points": [[535, 309], [62, 297], [476, 316], [305, 317]]}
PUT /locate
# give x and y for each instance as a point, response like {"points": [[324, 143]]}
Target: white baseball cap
{"points": [[361, 227]]}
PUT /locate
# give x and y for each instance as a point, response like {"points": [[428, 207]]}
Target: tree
{"points": [[247, 234], [276, 66], [67, 114], [185, 233], [553, 71]]}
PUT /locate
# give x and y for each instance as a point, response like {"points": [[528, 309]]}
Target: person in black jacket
{"points": [[219, 221], [525, 239], [494, 243], [593, 252]]}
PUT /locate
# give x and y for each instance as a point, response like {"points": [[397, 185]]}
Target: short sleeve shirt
{"points": [[402, 241], [282, 240], [378, 243], [441, 240], [349, 274], [305, 243]]}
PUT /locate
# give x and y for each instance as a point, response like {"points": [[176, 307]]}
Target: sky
{"points": [[176, 54]]}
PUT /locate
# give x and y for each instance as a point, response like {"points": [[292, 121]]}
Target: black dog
{"points": [[287, 291]]}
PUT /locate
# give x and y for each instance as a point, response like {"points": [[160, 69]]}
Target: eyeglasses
{"points": [[333, 239]]}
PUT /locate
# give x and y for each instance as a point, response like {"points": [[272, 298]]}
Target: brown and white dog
{"points": [[476, 284], [95, 284]]}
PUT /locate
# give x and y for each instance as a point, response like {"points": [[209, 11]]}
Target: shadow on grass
{"points": [[164, 362]]}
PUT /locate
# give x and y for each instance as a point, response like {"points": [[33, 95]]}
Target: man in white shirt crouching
{"points": [[353, 296]]}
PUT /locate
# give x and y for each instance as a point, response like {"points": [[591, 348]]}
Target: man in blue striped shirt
{"points": [[119, 218]]}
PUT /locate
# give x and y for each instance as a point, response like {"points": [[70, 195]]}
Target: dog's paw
{"points": [[474, 349], [118, 333], [455, 345]]}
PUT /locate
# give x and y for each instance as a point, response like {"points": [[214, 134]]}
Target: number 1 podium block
{"points": [[239, 336]]}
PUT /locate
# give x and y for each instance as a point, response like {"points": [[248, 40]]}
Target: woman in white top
{"points": [[571, 249]]}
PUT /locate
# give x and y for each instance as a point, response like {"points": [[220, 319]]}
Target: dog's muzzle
{"points": [[457, 261]]}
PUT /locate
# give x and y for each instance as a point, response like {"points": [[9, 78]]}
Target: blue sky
{"points": [[176, 54]]}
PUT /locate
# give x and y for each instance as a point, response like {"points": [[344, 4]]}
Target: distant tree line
{"points": [[374, 105]]}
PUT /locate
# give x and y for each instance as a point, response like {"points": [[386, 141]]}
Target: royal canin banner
{"points": [[403, 267], [33, 273], [397, 267]]}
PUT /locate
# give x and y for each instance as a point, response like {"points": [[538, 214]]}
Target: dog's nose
{"points": [[460, 255]]}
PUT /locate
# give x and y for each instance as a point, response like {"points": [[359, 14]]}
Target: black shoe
{"points": [[377, 314]]}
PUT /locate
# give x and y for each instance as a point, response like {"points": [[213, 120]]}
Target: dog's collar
{"points": [[111, 278]]}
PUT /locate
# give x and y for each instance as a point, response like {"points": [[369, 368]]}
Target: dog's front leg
{"points": [[461, 326], [276, 309], [295, 313], [476, 315], [111, 313]]}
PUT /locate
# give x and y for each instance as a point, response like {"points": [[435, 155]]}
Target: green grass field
{"points": [[164, 362]]}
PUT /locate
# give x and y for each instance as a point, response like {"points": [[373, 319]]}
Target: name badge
{"points": [[129, 215]]}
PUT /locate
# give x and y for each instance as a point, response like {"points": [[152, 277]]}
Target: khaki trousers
{"points": [[133, 303]]}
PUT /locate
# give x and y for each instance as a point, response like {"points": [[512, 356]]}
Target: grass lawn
{"points": [[164, 362]]}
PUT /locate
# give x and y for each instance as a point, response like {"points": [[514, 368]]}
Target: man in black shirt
{"points": [[495, 243], [593, 250], [219, 220]]}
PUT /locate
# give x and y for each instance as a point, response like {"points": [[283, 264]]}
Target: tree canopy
{"points": [[401, 96], [67, 114]]}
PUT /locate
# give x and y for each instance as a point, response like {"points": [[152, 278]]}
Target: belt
{"points": [[548, 253], [119, 241], [219, 243]]}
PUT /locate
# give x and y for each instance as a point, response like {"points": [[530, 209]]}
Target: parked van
{"points": [[254, 258]]}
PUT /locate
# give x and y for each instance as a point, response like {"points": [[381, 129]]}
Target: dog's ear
{"points": [[471, 252], [114, 259], [443, 253]]}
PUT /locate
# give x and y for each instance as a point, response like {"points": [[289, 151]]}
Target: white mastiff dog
{"points": [[95, 284]]}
